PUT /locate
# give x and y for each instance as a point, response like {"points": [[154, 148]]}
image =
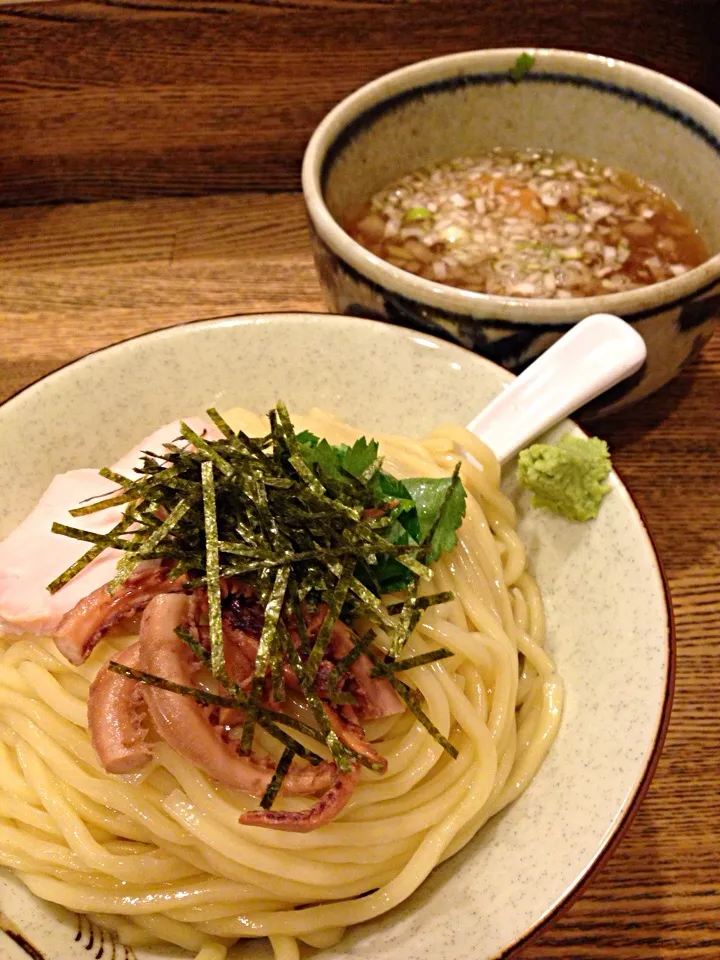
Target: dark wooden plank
{"points": [[102, 100]]}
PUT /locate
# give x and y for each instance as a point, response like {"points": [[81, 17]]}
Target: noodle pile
{"points": [[160, 856]]}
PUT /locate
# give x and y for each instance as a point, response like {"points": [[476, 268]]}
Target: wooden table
{"points": [[75, 278]]}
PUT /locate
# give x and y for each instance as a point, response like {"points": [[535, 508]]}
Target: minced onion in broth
{"points": [[530, 223]]}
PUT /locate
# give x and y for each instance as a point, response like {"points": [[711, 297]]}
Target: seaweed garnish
{"points": [[307, 526]]}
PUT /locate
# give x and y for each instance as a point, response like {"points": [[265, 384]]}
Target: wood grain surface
{"points": [[76, 278], [142, 98]]}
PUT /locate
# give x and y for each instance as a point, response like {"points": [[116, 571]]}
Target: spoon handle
{"points": [[597, 353]]}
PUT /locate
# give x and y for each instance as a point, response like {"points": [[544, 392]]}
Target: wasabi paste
{"points": [[568, 478]]}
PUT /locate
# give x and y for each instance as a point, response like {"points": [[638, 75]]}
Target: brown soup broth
{"points": [[530, 223]]}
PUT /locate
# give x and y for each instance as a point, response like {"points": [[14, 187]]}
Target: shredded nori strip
{"points": [[201, 445], [273, 788], [408, 695], [135, 492], [265, 715], [335, 605], [343, 756], [344, 664], [212, 568], [422, 603], [87, 557], [409, 663], [241, 442], [208, 699], [298, 617], [205, 697], [117, 478], [286, 513], [267, 647], [102, 540], [146, 548]]}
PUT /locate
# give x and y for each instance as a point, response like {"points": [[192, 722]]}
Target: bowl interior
{"points": [[585, 107], [608, 622]]}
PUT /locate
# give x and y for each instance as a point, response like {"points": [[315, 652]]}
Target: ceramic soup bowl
{"points": [[466, 104]]}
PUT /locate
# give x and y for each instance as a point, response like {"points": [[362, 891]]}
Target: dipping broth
{"points": [[530, 223]]}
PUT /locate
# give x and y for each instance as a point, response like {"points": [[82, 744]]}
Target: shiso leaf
{"points": [[440, 505], [361, 458]]}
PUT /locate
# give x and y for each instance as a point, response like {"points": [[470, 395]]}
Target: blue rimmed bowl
{"points": [[466, 104]]}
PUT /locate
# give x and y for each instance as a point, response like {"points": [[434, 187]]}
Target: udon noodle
{"points": [[160, 856]]}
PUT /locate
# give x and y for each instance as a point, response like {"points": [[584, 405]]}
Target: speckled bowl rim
{"points": [[633, 802], [625, 822], [633, 303]]}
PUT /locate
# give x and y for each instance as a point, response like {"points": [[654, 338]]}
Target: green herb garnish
{"points": [[303, 523], [521, 66], [417, 213]]}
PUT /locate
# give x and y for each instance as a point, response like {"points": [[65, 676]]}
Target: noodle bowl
{"points": [[82, 838]]}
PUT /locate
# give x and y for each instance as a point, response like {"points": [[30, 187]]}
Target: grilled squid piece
{"points": [[117, 717], [240, 644], [353, 736], [376, 695], [83, 626], [303, 821], [184, 724]]}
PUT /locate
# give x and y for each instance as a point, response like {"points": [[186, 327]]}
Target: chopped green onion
{"points": [[522, 65], [417, 213]]}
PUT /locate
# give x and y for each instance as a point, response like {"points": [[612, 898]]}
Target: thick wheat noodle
{"points": [[82, 838]]}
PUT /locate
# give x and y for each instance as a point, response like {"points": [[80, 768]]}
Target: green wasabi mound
{"points": [[568, 478]]}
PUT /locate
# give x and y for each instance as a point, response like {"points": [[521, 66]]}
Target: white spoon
{"points": [[597, 353]]}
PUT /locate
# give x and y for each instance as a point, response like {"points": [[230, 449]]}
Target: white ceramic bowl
{"points": [[465, 104], [609, 625]]}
